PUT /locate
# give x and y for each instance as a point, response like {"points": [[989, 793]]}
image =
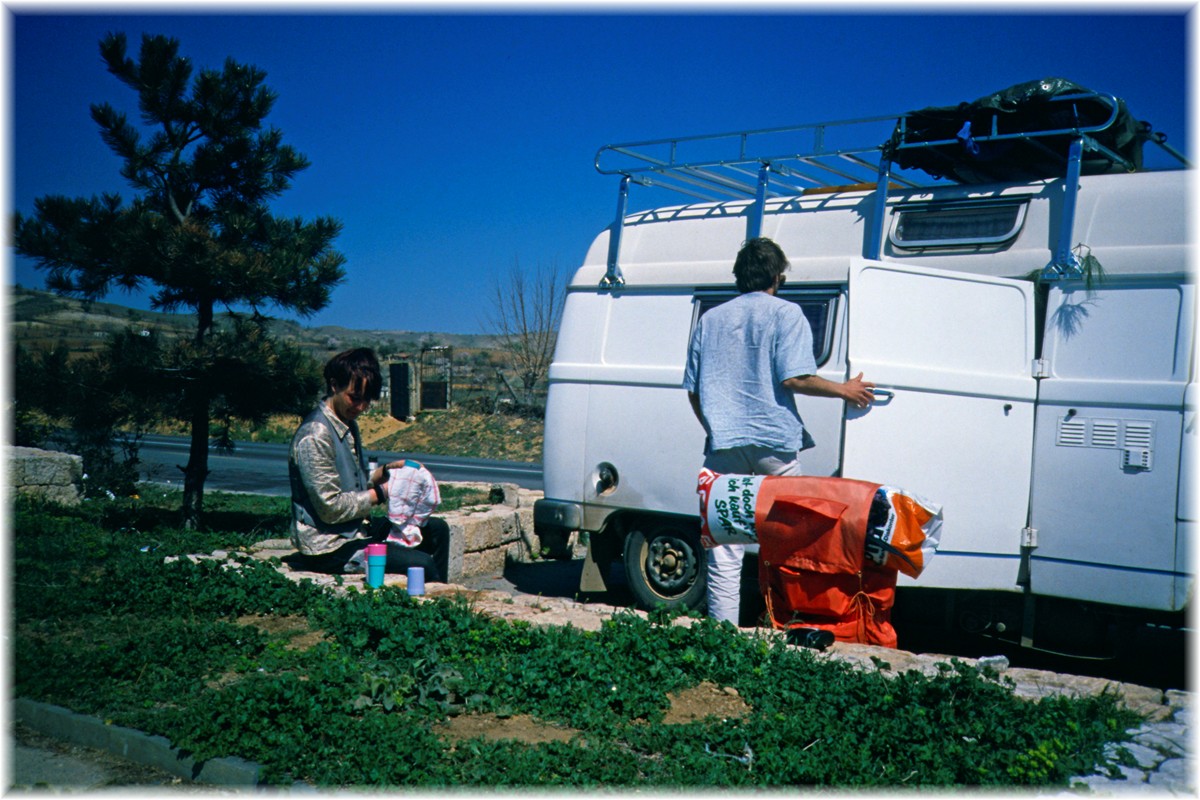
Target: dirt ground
{"points": [[705, 700], [374, 427]]}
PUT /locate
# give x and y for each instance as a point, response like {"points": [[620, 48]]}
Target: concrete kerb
{"points": [[142, 748]]}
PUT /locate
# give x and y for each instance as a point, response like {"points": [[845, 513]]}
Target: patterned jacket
{"points": [[331, 494]]}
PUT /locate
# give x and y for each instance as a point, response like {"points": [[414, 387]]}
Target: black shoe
{"points": [[815, 638]]}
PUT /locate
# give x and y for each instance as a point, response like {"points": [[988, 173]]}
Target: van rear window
{"points": [[818, 305]]}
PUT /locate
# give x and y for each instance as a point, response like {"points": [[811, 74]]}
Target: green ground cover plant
{"points": [[356, 690]]}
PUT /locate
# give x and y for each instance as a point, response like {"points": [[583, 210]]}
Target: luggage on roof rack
{"points": [[1021, 133]]}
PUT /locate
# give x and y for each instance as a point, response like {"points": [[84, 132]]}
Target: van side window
{"points": [[921, 225], [818, 305]]}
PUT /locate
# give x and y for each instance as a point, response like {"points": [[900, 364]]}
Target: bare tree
{"points": [[526, 310]]}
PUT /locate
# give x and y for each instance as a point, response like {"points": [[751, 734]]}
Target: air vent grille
{"points": [[1106, 432], [1134, 439], [1072, 432], [1139, 434]]}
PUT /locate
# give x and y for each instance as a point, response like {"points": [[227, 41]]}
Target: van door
{"points": [[1111, 439], [951, 355]]}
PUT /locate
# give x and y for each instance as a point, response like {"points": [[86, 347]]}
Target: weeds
{"points": [[105, 627]]}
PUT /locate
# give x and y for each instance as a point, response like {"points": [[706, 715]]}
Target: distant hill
{"points": [[40, 320]]}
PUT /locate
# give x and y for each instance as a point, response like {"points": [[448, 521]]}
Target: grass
{"points": [[356, 689], [236, 518]]}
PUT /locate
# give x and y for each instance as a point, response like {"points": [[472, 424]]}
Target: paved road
{"points": [[262, 468]]}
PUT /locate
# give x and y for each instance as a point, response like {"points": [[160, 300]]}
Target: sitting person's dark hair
{"points": [[357, 368]]}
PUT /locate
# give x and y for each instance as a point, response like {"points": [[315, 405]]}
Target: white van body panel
{"points": [[1135, 223], [995, 436], [1188, 507]]}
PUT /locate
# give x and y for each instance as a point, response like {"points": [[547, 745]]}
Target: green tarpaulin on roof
{"points": [[1025, 107]]}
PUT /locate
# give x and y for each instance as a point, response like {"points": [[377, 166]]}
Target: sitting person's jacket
{"points": [[331, 494]]}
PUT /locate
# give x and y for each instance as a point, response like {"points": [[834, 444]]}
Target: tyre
{"points": [[664, 564]]}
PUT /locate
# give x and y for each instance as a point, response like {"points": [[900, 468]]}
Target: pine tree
{"points": [[198, 229]]}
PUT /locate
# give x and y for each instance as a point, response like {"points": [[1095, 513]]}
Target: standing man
{"points": [[332, 493], [746, 359]]}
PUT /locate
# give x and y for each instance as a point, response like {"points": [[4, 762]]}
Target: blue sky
{"points": [[453, 145]]}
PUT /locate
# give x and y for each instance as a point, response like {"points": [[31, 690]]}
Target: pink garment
{"points": [[412, 496]]}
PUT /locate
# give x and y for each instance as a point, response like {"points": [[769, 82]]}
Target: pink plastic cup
{"points": [[376, 564]]}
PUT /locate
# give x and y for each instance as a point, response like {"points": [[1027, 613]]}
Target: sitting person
{"points": [[332, 492]]}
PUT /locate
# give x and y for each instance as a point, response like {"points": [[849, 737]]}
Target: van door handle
{"points": [[883, 395]]}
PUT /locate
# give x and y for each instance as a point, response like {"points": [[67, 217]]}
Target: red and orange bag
{"points": [[829, 548]]}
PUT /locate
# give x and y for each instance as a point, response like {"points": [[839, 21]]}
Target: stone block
{"points": [[505, 494], [45, 474], [1175, 775], [488, 530], [485, 562], [454, 561]]}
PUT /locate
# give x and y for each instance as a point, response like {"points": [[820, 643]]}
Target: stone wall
{"points": [[483, 539], [45, 474]]}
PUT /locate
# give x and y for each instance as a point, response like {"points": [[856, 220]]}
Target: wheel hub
{"points": [[664, 565], [667, 563]]}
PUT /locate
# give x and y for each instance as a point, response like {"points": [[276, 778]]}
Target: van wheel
{"points": [[664, 565]]}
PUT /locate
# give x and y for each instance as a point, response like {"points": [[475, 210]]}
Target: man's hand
{"points": [[380, 475], [855, 391], [858, 391]]}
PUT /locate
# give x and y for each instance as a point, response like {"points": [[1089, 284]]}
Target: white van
{"points": [[1046, 402]]}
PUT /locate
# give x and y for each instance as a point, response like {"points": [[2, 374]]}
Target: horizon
{"points": [[301, 323], [454, 145]]}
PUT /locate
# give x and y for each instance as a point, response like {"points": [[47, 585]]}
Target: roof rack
{"points": [[784, 162]]}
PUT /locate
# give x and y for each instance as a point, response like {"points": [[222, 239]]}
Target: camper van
{"points": [[1007, 273]]}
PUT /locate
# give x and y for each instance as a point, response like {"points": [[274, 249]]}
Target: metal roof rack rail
{"points": [[759, 165]]}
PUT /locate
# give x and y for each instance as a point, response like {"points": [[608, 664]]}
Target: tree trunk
{"points": [[529, 384], [196, 471]]}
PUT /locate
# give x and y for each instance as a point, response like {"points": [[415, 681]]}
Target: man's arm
{"points": [[855, 391]]}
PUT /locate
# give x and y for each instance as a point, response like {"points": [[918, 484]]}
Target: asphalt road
{"points": [[262, 468]]}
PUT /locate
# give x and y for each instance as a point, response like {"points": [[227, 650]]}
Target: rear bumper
{"points": [[567, 516], [557, 517]]}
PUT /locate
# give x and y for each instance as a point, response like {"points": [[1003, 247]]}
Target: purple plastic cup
{"points": [[416, 581]]}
